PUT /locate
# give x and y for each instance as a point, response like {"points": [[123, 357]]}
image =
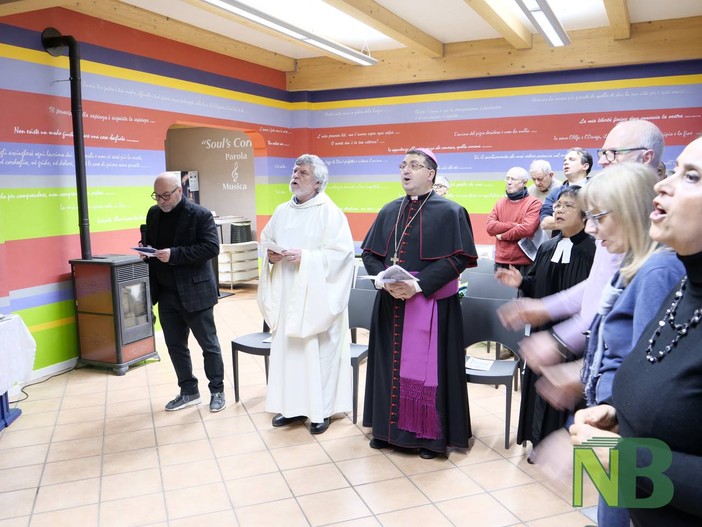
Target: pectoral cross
{"points": [[394, 259]]}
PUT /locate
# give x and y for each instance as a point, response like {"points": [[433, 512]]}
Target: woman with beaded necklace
{"points": [[657, 390]]}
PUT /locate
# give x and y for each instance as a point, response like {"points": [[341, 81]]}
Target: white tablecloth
{"points": [[17, 351]]}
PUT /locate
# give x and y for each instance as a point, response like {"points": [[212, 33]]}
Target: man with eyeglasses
{"points": [[513, 218], [416, 394], [441, 186], [184, 286]]}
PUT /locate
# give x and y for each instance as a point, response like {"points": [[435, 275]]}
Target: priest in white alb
{"points": [[303, 294]]}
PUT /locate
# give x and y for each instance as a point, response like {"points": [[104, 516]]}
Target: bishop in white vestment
{"points": [[303, 295]]}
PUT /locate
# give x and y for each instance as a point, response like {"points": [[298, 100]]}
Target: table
{"points": [[17, 350]]}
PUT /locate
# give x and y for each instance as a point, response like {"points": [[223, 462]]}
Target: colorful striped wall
{"points": [[136, 86]]}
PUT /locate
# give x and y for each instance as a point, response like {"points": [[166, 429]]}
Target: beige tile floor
{"points": [[95, 449]]}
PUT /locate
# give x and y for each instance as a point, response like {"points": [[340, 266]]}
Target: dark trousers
{"points": [[177, 324]]}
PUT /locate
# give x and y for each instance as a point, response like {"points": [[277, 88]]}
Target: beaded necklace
{"points": [[681, 329]]}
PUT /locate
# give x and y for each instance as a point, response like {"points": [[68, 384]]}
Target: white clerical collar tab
{"points": [[562, 252]]}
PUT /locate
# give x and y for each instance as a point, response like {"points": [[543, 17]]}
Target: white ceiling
{"points": [[413, 40], [448, 21]]}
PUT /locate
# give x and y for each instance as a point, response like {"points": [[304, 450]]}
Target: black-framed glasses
{"points": [[413, 166], [163, 197], [610, 154], [595, 218]]}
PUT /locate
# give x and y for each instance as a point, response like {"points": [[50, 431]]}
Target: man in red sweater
{"points": [[513, 218]]}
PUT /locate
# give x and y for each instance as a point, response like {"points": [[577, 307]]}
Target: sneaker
{"points": [[217, 402], [183, 401]]}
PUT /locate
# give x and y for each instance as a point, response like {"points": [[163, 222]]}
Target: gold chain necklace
{"points": [[394, 258]]}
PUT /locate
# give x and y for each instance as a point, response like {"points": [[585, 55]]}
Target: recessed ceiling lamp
{"points": [[545, 21], [264, 19]]}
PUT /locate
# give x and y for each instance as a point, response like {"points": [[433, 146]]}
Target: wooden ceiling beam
{"points": [[650, 42], [501, 16], [385, 21], [149, 22], [16, 7], [618, 15]]}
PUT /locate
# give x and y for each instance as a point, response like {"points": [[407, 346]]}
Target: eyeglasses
{"points": [[611, 153], [413, 166], [163, 197], [510, 178], [566, 206], [438, 186], [595, 218]]}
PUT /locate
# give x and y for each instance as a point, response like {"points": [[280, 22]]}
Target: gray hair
{"points": [[319, 168], [518, 172], [541, 165]]}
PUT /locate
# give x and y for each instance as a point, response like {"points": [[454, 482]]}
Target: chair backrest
{"points": [[485, 265], [362, 283], [485, 285], [361, 308], [481, 323]]}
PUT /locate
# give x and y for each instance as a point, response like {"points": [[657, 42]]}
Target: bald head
{"points": [[516, 179], [170, 179], [636, 141], [167, 190]]}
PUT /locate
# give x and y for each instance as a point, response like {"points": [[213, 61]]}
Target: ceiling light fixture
{"points": [[264, 19], [545, 21]]}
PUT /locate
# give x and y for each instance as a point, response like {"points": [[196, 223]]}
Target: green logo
{"points": [[618, 488]]}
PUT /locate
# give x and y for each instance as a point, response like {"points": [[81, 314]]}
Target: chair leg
{"points": [[508, 410], [235, 372], [354, 367], [265, 362]]}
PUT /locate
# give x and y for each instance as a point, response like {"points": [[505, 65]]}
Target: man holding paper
{"points": [[303, 294], [184, 286], [416, 394]]}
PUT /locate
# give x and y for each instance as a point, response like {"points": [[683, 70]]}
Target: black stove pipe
{"points": [[53, 43]]}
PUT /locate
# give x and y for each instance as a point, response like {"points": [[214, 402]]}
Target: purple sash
{"points": [[418, 364]]}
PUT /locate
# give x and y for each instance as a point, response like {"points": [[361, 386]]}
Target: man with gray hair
{"points": [[303, 294], [541, 174], [513, 218]]}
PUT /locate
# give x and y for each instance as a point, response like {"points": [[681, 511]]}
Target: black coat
{"points": [[195, 243]]}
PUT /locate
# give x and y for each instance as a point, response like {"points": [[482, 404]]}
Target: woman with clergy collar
{"points": [[560, 263]]}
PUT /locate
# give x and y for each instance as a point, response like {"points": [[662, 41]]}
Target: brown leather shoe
{"points": [[281, 420], [320, 428]]}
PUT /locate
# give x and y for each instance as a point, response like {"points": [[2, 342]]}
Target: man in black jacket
{"points": [[184, 286]]}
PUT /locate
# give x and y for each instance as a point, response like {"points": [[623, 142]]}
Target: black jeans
{"points": [[177, 324]]}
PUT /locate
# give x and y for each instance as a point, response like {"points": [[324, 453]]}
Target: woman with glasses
{"points": [[619, 203], [560, 263], [657, 391]]}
